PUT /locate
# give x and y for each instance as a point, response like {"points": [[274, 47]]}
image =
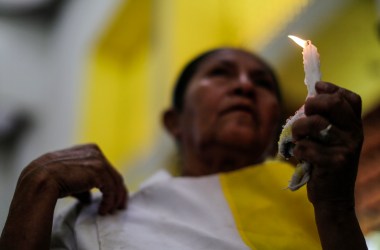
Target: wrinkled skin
{"points": [[73, 171]]}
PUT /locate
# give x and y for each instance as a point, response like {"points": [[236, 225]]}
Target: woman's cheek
{"points": [[270, 113]]}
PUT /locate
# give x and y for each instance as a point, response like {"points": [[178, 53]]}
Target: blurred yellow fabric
{"points": [[268, 216]]}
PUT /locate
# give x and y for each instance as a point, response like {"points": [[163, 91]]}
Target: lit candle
{"points": [[286, 142], [310, 64]]}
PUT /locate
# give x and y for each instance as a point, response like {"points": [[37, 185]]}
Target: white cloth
{"points": [[167, 213]]}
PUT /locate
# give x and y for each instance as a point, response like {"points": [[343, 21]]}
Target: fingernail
{"points": [[325, 86]]}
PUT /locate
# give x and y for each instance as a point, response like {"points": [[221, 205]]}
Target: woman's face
{"points": [[230, 103]]}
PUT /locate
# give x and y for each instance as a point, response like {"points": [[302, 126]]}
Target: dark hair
{"points": [[191, 68]]}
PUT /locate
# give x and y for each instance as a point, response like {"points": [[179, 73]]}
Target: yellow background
{"points": [[133, 65]]}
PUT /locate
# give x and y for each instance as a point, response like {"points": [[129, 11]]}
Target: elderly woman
{"points": [[225, 119]]}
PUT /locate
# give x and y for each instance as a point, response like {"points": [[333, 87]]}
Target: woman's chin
{"points": [[242, 136]]}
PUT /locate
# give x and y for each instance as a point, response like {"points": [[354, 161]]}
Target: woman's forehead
{"points": [[231, 57]]}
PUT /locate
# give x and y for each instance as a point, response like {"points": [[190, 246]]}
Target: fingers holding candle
{"points": [[335, 110], [316, 128], [341, 107], [334, 160], [352, 98]]}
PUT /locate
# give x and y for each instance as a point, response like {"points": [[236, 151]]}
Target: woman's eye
{"points": [[263, 83], [219, 72]]}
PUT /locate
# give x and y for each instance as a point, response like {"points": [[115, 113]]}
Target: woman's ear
{"points": [[170, 120]]}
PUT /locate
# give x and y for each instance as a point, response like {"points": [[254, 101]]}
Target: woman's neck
{"points": [[216, 160]]}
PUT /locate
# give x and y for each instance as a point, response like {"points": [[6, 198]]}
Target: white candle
{"points": [[286, 142], [310, 64]]}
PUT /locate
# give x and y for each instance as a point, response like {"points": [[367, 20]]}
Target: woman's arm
{"points": [[30, 217], [72, 171], [338, 227], [334, 157]]}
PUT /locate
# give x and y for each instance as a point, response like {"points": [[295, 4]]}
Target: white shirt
{"points": [[167, 213]]}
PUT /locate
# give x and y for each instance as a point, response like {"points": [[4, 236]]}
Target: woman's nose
{"points": [[244, 86]]}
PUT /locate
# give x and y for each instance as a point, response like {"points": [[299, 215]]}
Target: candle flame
{"points": [[298, 41]]}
